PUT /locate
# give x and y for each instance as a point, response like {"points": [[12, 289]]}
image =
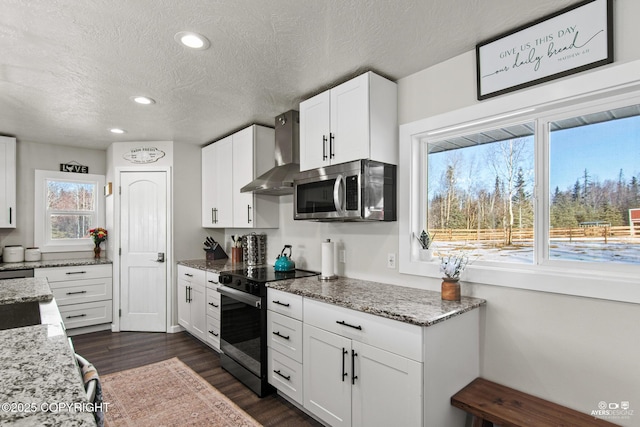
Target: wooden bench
{"points": [[489, 403]]}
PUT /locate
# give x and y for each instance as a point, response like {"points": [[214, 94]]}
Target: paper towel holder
{"points": [[326, 278]]}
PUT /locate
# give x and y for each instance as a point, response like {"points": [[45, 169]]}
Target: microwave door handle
{"points": [[338, 194]]}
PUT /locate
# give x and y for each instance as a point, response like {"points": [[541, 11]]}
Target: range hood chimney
{"points": [[279, 180]]}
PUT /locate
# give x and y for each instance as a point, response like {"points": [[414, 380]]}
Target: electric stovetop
{"points": [[263, 274]]}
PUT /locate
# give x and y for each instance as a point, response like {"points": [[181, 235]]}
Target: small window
{"points": [[480, 193], [594, 187], [66, 207]]}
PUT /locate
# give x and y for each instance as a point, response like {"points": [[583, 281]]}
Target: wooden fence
{"points": [[526, 234]]}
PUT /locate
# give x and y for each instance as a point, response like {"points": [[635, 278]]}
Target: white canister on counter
{"points": [[32, 254], [13, 253]]}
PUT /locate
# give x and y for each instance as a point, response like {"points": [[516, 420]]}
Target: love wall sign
{"points": [[574, 39]]}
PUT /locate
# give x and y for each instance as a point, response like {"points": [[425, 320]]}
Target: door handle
{"points": [[331, 139], [354, 377], [324, 147], [248, 214], [160, 257], [344, 374]]}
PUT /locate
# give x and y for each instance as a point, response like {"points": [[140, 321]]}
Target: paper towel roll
{"points": [[328, 268]]}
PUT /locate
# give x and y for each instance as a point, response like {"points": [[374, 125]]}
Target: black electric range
{"points": [[243, 322]]}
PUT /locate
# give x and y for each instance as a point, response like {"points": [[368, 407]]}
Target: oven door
{"points": [[241, 328]]}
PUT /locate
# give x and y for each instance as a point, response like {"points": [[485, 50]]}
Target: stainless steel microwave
{"points": [[363, 190]]}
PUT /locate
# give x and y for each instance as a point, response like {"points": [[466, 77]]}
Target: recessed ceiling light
{"points": [[144, 100], [117, 130], [192, 40]]}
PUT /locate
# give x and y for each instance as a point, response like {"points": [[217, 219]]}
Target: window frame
{"points": [[41, 218], [610, 87]]}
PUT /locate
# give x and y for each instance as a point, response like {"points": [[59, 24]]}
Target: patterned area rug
{"points": [[168, 393]]}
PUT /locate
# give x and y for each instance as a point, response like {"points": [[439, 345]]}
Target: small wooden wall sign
{"points": [[73, 167]]}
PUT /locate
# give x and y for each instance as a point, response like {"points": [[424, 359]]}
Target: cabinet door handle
{"points": [[342, 322], [213, 333], [353, 366], [188, 294], [212, 220], [77, 315], [331, 139], [76, 272], [286, 337], [10, 216], [324, 147], [286, 377], [248, 214], [344, 374], [213, 305], [76, 292], [281, 303]]}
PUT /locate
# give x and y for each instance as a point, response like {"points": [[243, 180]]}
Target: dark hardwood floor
{"points": [[113, 352]]}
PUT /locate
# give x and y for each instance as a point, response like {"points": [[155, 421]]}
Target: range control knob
{"points": [[224, 279]]}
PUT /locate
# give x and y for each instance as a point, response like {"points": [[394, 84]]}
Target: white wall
{"points": [[29, 157]]}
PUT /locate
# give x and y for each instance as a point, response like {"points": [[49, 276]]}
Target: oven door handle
{"points": [[240, 296]]}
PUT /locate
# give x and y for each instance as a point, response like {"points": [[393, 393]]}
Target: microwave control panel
{"points": [[352, 191]]}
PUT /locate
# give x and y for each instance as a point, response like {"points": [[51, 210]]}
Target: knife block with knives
{"points": [[213, 250]]}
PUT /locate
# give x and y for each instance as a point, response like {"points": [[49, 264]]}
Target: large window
{"points": [[66, 206], [541, 196]]}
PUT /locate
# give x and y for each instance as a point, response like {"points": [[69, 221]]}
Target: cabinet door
{"points": [[184, 309], [243, 163], [198, 312], [223, 210], [350, 120], [7, 182], [209, 192], [314, 131], [327, 376], [385, 377]]}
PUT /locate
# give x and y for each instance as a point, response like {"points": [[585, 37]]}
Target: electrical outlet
{"points": [[342, 256], [391, 260]]}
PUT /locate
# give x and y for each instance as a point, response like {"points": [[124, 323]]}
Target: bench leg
{"points": [[479, 422]]}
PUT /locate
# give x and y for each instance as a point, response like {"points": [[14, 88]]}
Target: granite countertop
{"points": [[4, 266], [215, 266], [30, 289], [410, 305], [39, 379]]}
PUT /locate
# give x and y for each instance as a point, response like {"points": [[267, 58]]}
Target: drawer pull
{"points": [[280, 335], [281, 303], [343, 323], [211, 281], [188, 275], [213, 305], [77, 292], [286, 377], [76, 272], [77, 315], [213, 333]]}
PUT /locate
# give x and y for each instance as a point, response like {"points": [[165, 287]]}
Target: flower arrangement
{"points": [[453, 265], [425, 239], [98, 235]]}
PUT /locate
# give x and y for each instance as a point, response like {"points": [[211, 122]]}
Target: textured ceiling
{"points": [[69, 67]]}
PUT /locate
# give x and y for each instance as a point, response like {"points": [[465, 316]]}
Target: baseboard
{"points": [[175, 329]]}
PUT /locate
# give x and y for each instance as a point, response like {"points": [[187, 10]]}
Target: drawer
{"points": [[285, 374], [396, 337], [75, 272], [80, 291], [213, 332], [192, 275], [284, 303], [86, 314], [284, 334], [213, 303], [212, 279]]}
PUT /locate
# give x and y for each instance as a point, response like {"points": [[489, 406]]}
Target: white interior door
{"points": [[143, 242]]}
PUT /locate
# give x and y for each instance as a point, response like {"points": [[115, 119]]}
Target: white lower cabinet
{"points": [[191, 301], [348, 383], [83, 293]]}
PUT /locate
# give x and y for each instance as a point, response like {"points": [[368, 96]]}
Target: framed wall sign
{"points": [[571, 40]]}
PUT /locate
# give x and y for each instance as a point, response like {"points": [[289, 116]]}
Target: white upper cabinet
{"points": [[228, 165], [355, 120], [7, 182]]}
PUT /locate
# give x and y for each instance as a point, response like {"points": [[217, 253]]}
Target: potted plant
{"points": [[452, 266], [425, 239]]}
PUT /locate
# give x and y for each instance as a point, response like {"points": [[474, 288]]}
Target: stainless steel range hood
{"points": [[279, 180]]}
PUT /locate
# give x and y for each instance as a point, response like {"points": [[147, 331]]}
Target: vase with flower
{"points": [[452, 266], [98, 235]]}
